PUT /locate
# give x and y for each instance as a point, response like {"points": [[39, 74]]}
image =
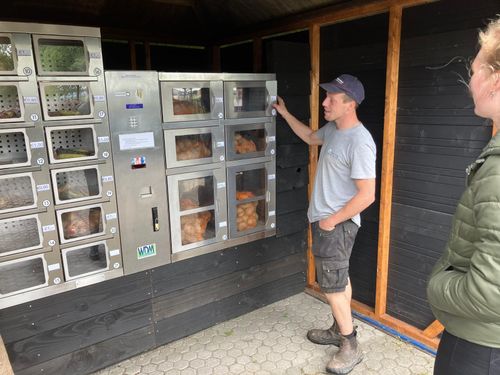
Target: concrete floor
{"points": [[271, 341]]}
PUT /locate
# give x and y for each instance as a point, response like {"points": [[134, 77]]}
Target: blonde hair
{"points": [[489, 39]]}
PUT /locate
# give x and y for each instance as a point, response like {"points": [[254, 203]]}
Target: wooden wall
{"points": [[81, 331], [438, 135], [360, 48]]}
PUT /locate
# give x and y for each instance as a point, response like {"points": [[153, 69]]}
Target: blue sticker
{"points": [[134, 106]]}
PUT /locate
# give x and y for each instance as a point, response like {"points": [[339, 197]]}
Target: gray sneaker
{"points": [[346, 358], [330, 336]]}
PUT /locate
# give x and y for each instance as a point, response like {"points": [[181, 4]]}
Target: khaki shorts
{"points": [[332, 251]]}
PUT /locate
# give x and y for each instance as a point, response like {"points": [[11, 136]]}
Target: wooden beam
{"points": [[5, 367], [133, 54], [314, 45], [257, 55], [434, 329], [389, 142], [147, 52], [216, 61], [324, 16]]}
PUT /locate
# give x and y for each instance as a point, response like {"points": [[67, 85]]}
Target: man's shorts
{"points": [[332, 250]]}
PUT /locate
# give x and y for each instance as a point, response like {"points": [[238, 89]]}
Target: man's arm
{"points": [[363, 198], [303, 131]]}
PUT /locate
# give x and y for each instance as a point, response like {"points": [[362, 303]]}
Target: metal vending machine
{"points": [[137, 140]]}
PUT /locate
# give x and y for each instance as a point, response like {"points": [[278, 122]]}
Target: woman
{"points": [[464, 287]]}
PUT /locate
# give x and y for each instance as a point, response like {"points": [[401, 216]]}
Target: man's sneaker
{"points": [[346, 358], [330, 336]]}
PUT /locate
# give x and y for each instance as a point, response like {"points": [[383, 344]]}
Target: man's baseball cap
{"points": [[348, 85]]}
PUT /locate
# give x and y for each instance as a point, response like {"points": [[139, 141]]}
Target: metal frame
{"points": [[54, 173]]}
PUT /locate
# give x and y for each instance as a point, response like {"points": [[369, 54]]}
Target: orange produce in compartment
{"points": [[243, 145], [240, 195], [188, 149], [193, 227], [246, 213]]}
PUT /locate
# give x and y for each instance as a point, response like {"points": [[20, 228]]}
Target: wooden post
{"points": [[314, 43], [133, 54], [216, 64], [389, 141], [257, 55], [5, 367], [147, 51], [434, 329]]}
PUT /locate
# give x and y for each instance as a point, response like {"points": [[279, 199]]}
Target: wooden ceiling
{"points": [[174, 21]]}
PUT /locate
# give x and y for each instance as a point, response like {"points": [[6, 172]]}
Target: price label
{"points": [[107, 178], [111, 216], [48, 228], [104, 139], [115, 252], [38, 144], [30, 100]]}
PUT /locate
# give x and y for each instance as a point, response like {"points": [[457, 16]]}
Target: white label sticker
{"points": [[95, 55], [271, 177], [30, 100], [272, 213], [111, 216], [54, 267], [48, 228], [104, 139], [271, 139], [38, 144], [43, 187], [135, 141], [23, 52], [99, 98], [220, 144], [113, 253], [107, 178], [221, 185], [219, 99], [223, 224]]}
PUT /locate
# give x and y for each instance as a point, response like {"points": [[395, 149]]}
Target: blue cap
{"points": [[347, 84]]}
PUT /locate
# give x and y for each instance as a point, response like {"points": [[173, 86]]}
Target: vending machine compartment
{"points": [[250, 138], [82, 222], [15, 148], [62, 100], [191, 97], [71, 143], [17, 192], [187, 147], [247, 96], [23, 235], [11, 104], [251, 198], [197, 209], [22, 275], [76, 184], [86, 260]]}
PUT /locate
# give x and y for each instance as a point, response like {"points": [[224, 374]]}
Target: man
{"points": [[344, 186]]}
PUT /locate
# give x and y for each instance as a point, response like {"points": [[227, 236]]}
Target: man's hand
{"points": [[280, 106], [326, 225]]}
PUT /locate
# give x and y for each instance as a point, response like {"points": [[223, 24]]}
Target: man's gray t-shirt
{"points": [[346, 155]]}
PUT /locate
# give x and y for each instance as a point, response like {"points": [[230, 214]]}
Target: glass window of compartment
{"points": [[249, 99], [197, 227], [82, 223], [72, 143], [19, 234], [193, 146], [67, 100], [250, 183], [195, 193], [16, 192], [22, 275], [6, 55], [85, 260], [190, 100], [77, 184], [10, 106], [249, 141], [62, 55], [13, 149]]}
